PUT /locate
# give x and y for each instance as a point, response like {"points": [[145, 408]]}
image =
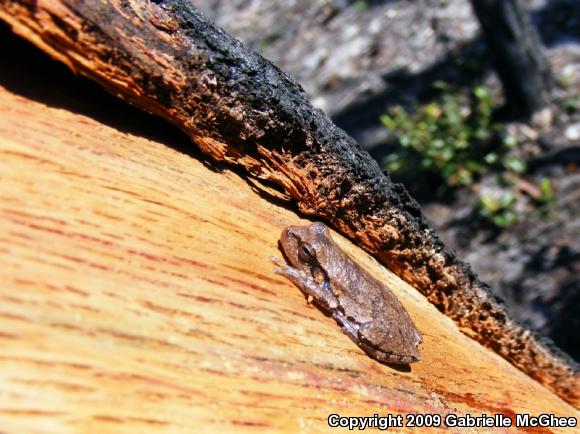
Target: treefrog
{"points": [[368, 312]]}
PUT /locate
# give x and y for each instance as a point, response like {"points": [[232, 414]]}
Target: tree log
{"points": [[164, 57], [137, 296]]}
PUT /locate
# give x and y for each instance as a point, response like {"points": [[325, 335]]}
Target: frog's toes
{"points": [[278, 262], [283, 271]]}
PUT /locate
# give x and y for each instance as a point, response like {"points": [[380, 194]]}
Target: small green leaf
{"points": [[490, 158], [464, 177], [510, 141], [546, 187], [473, 166], [440, 85], [489, 203], [505, 219], [481, 92], [360, 5], [514, 164], [507, 199]]}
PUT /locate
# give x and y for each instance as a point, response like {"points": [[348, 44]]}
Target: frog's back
{"points": [[361, 291]]}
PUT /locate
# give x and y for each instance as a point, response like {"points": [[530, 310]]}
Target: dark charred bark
{"points": [[520, 62], [164, 57]]}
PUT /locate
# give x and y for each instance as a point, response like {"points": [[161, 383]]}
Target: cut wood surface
{"points": [[137, 296], [237, 107]]}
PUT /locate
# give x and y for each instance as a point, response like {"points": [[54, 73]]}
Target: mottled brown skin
{"points": [[368, 312]]}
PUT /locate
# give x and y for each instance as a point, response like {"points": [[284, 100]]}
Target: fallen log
{"points": [[138, 296], [165, 58]]}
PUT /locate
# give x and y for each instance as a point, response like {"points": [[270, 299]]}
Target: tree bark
{"points": [[517, 51], [237, 107]]}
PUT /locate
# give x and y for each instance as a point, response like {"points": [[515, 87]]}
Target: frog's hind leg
{"points": [[353, 331], [380, 333], [348, 327]]}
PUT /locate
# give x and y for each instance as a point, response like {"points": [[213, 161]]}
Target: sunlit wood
{"points": [[137, 296]]}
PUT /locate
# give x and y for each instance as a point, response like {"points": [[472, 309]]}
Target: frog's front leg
{"points": [[321, 294]]}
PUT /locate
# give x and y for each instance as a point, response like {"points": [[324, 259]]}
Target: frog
{"points": [[366, 309]]}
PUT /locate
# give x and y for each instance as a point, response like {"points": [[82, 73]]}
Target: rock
{"points": [[543, 119], [572, 132]]}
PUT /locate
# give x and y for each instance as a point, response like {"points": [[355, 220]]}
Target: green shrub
{"points": [[440, 136], [499, 211], [451, 137]]}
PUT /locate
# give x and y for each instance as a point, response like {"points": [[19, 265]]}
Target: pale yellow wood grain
{"points": [[137, 296]]}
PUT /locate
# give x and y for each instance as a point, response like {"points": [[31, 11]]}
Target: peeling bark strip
{"points": [[164, 57]]}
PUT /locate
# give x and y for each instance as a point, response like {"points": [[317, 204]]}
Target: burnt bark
{"points": [[237, 107], [517, 51]]}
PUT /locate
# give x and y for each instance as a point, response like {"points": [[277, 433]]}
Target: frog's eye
{"points": [[307, 252]]}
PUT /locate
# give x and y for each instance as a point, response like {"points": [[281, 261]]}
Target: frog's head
{"points": [[304, 246]]}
